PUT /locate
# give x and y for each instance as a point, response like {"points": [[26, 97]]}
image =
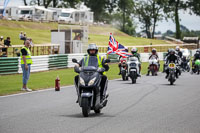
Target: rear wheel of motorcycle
{"points": [[85, 107]]}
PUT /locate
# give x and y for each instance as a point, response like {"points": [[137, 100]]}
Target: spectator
{"points": [[1, 41], [25, 35], [21, 35], [26, 62], [31, 41], [6, 43]]}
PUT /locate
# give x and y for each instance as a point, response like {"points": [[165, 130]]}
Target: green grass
{"points": [[11, 84], [37, 33], [40, 33], [102, 40]]}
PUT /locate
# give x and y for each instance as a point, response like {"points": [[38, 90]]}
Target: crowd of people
{"points": [[5, 43]]}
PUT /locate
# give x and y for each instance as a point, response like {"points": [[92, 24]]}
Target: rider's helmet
{"points": [[92, 47], [172, 52], [153, 51], [198, 51], [126, 49], [134, 50], [177, 48]]}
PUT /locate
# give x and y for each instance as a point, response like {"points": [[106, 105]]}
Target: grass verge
{"points": [[11, 84], [41, 33]]}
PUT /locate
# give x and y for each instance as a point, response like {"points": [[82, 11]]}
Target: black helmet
{"points": [[153, 51], [134, 50], [92, 46], [172, 51]]}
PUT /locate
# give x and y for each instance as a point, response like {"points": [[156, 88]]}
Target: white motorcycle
{"points": [[153, 66], [133, 68]]}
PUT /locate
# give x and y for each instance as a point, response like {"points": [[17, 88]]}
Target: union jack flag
{"points": [[117, 48]]}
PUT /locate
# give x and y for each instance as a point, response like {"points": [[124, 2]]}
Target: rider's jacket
{"points": [[196, 56], [96, 61], [172, 58], [136, 55], [154, 56], [180, 54]]}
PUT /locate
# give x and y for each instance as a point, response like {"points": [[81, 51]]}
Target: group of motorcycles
{"points": [[130, 68], [88, 83]]}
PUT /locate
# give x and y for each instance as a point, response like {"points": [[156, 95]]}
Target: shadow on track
{"points": [[91, 115]]}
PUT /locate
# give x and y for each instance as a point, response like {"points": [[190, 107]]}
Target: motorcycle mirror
{"points": [[74, 60], [101, 70], [107, 61]]}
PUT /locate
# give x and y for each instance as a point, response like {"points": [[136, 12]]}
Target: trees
{"points": [[126, 7], [149, 12], [194, 5], [172, 7], [97, 6], [25, 3]]}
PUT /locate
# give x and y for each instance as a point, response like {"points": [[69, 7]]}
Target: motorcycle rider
{"points": [[120, 57], [196, 57], [172, 57], [164, 65], [154, 55], [94, 59], [179, 53], [134, 51]]}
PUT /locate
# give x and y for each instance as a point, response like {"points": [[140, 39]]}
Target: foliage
{"points": [[194, 5], [149, 13], [172, 7]]}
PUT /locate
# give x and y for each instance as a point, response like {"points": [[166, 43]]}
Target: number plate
{"points": [[171, 65]]}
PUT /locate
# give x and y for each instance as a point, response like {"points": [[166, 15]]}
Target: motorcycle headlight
{"points": [[91, 82], [82, 82]]}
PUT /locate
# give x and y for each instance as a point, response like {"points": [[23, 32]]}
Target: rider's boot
{"points": [[148, 73]]}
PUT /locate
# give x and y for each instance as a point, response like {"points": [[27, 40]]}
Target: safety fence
{"points": [[12, 65], [36, 50]]}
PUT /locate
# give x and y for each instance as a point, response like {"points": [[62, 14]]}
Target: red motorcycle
{"points": [[124, 68]]}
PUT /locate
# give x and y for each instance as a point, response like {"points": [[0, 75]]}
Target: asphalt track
{"points": [[150, 106]]}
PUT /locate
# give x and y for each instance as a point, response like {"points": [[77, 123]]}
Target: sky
{"points": [[192, 22]]}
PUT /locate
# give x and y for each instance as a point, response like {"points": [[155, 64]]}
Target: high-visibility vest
{"points": [[100, 59], [28, 56]]}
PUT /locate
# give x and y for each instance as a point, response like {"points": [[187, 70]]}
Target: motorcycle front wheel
{"points": [[133, 77], [123, 75], [85, 106]]}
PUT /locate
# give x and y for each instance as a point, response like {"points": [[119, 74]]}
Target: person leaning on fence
{"points": [[26, 62], [1, 41], [7, 43]]}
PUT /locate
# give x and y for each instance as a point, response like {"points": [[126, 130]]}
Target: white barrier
{"points": [[40, 63]]}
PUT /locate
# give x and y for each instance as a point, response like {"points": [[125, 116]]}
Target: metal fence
{"points": [[36, 50], [148, 48]]}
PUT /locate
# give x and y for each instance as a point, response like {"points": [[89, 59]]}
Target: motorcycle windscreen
{"points": [[93, 61]]}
